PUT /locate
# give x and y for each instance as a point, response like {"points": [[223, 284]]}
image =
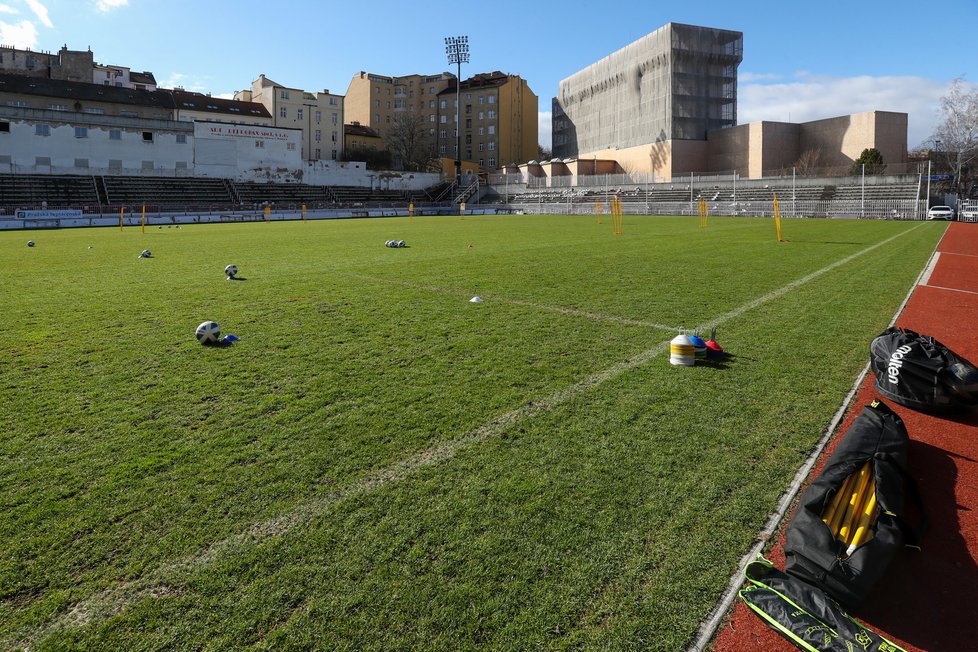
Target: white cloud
{"points": [[811, 97], [41, 12], [7, 9], [108, 5], [184, 81], [745, 77], [544, 127], [19, 35]]}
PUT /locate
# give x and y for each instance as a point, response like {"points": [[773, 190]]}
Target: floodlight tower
{"points": [[457, 49]]}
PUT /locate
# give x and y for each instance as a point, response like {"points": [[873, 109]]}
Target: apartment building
{"points": [[72, 65], [498, 115], [375, 100], [319, 115]]}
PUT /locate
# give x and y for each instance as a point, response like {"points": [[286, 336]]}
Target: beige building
{"points": [[197, 107], [498, 116], [72, 65], [318, 115], [765, 148], [375, 100], [358, 137]]}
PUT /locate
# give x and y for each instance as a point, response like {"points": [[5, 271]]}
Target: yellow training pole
{"points": [[845, 530], [268, 213], [861, 499], [122, 213], [777, 216], [143, 221], [303, 212], [838, 504], [863, 531], [411, 211]]}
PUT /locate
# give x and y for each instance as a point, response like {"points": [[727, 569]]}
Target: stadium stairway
{"points": [[926, 600]]}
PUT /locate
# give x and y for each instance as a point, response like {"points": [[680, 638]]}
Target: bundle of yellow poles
{"points": [[850, 514]]}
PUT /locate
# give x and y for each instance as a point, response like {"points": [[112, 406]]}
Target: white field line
{"points": [[929, 270], [519, 302], [941, 287], [952, 253], [159, 582]]}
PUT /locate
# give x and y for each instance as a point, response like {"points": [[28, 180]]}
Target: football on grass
{"points": [[209, 332]]}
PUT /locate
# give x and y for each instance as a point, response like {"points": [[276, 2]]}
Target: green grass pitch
{"points": [[381, 464]]}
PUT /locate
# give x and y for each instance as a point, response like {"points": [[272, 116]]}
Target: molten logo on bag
{"points": [[896, 361]]}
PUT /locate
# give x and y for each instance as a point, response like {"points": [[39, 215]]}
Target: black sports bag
{"points": [[919, 372], [805, 615], [852, 520]]}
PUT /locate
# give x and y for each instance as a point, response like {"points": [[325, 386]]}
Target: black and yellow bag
{"points": [[852, 520], [804, 615]]}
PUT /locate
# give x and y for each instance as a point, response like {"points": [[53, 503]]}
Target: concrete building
{"points": [[318, 115], [123, 77], [667, 89], [767, 148], [191, 107], [498, 115]]}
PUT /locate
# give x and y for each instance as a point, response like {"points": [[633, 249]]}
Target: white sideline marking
{"points": [[941, 287], [519, 302], [159, 582], [929, 270]]}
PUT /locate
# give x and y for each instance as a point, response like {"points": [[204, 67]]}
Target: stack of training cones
{"points": [[851, 513]]}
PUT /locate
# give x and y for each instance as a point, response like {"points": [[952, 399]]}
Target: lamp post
{"points": [[457, 49]]}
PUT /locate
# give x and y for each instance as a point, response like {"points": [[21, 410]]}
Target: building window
{"points": [[482, 131], [334, 155], [283, 112], [431, 132], [442, 134], [39, 130], [298, 114], [468, 139], [81, 162], [290, 147], [443, 119], [492, 115], [115, 163], [129, 114], [468, 123], [57, 107], [260, 144], [431, 118], [481, 147], [147, 165], [115, 134], [318, 156], [336, 119], [482, 99], [81, 132], [482, 115], [492, 161], [334, 136], [147, 136], [443, 104], [441, 149], [319, 117], [492, 145], [376, 117], [284, 95], [399, 103], [182, 139], [181, 165], [492, 99], [18, 103], [4, 127], [480, 162], [319, 135], [332, 101], [492, 129], [431, 104], [376, 104], [468, 96], [42, 160]]}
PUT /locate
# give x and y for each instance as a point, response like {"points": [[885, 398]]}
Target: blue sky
{"points": [[802, 61]]}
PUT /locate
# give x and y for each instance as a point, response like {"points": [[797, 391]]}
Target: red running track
{"points": [[929, 599]]}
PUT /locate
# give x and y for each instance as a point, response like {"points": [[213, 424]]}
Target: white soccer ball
{"points": [[30, 243], [209, 332], [146, 253], [401, 243], [231, 270]]}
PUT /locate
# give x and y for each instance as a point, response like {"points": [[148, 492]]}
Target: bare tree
{"points": [[409, 140], [808, 162], [956, 137]]}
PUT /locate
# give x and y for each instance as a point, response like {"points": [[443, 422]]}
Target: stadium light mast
{"points": [[457, 49]]}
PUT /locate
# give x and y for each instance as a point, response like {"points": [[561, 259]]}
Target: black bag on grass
{"points": [[804, 615], [921, 373], [845, 570]]}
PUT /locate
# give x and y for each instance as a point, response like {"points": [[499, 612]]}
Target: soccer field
{"points": [[381, 464]]}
